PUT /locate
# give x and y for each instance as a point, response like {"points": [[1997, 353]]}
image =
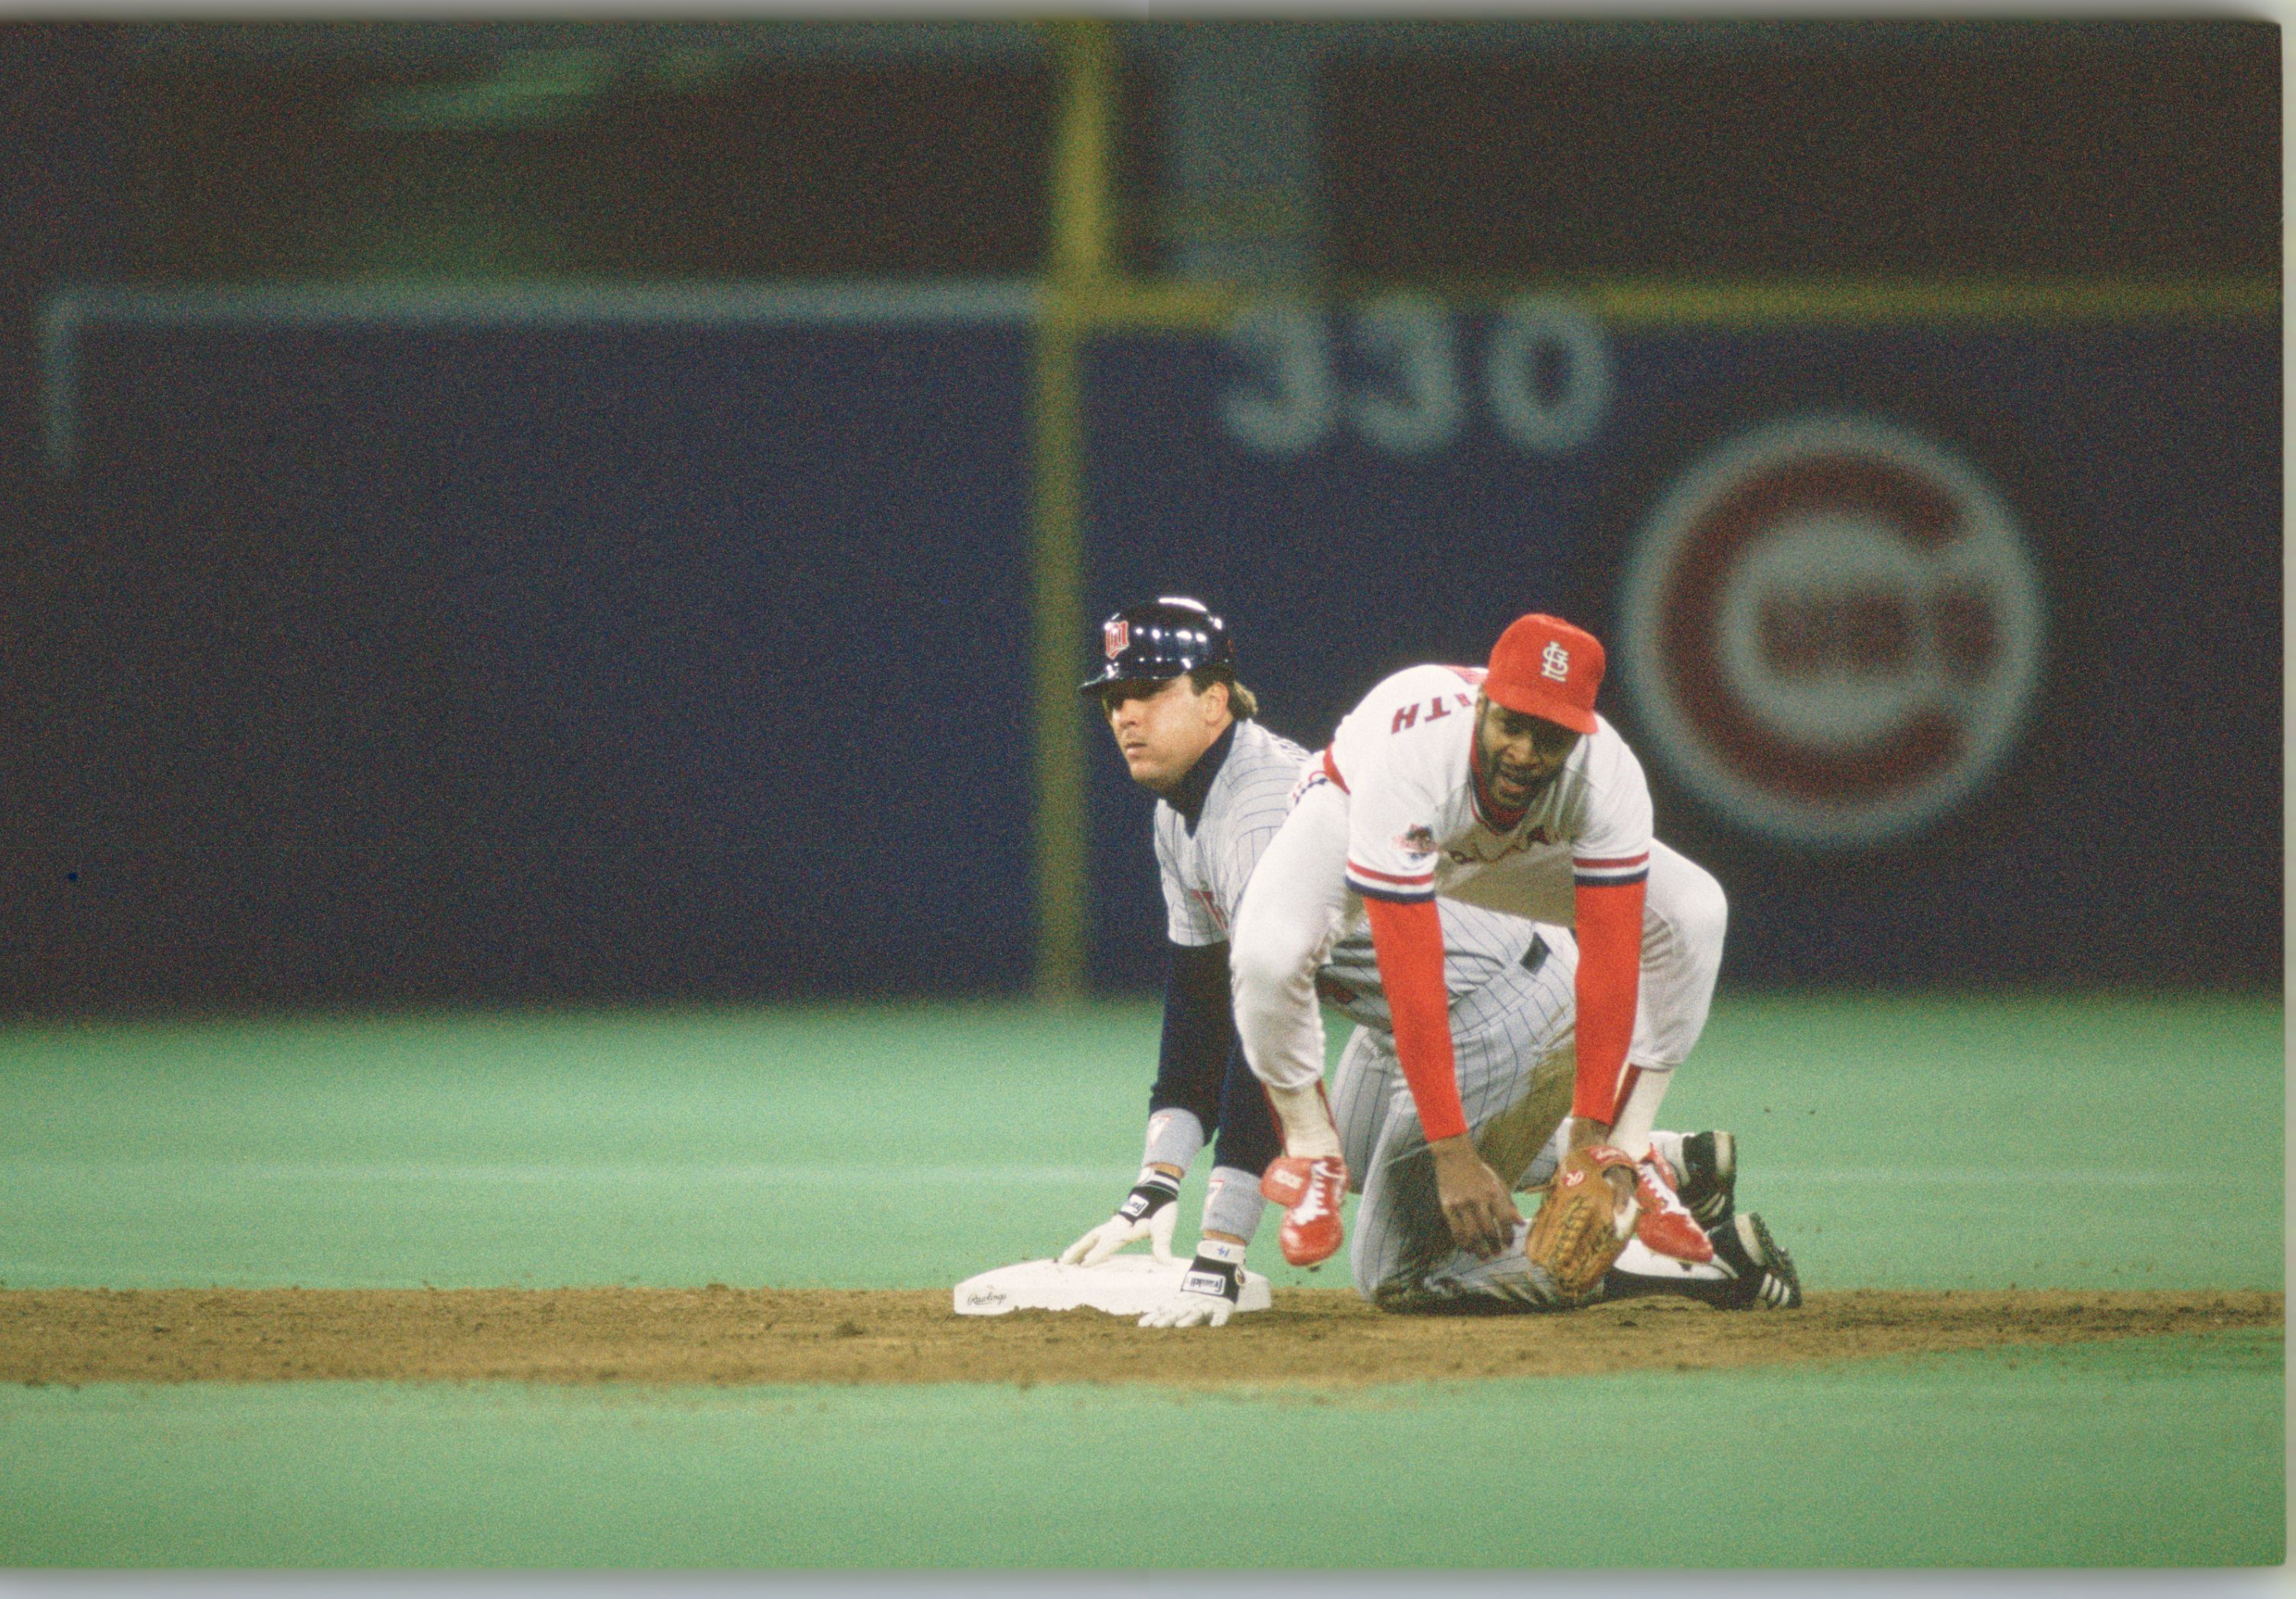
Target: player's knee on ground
{"points": [[1378, 1281]]}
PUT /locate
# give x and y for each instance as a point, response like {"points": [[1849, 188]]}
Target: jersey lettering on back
{"points": [[1407, 715], [1414, 827]]}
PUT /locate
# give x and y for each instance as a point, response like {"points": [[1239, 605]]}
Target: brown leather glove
{"points": [[1582, 1222]]}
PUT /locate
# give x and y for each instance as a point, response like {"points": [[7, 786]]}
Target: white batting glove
{"points": [[1208, 1295], [1148, 1211]]}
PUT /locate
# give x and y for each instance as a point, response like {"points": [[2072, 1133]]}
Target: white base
{"points": [[1120, 1285]]}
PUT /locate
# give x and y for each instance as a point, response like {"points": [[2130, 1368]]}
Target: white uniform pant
{"points": [[1298, 903], [1511, 1046]]}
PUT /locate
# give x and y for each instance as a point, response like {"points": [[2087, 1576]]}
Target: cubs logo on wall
{"points": [[1833, 629]]}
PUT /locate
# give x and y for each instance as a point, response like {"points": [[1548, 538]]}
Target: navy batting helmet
{"points": [[1163, 638]]}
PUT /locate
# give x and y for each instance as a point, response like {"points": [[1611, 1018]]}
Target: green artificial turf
{"points": [[1897, 1142], [2163, 1453], [1891, 1143]]}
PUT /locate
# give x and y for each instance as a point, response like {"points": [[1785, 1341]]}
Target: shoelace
{"points": [[1312, 1203], [1654, 1178]]}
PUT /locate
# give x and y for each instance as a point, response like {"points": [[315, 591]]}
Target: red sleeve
{"points": [[1609, 972], [1407, 938]]}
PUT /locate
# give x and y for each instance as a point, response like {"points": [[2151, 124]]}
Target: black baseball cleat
{"points": [[1708, 1183], [1763, 1275]]}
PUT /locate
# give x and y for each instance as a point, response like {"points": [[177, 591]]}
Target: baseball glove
{"points": [[1582, 1224]]}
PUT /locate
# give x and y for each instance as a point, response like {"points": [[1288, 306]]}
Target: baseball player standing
{"points": [[1499, 786], [1187, 730]]}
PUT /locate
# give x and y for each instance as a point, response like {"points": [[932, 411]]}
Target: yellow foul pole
{"points": [[1075, 279]]}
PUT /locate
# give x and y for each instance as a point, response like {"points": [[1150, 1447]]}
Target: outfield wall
{"points": [[1979, 680], [649, 644]]}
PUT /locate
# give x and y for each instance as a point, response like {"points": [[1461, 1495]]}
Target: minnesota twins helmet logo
{"points": [[1116, 636]]}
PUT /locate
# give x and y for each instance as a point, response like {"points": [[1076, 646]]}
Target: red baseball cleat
{"points": [[1285, 1181], [1309, 1190], [1665, 1225]]}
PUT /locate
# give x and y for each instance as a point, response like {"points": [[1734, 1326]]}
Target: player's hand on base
{"points": [[1477, 1205], [1149, 1211], [1208, 1293]]}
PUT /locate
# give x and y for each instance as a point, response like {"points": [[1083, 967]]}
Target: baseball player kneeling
{"points": [[1187, 730], [1501, 787]]}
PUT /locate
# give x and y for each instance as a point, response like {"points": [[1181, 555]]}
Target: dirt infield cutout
{"points": [[1312, 1337]]}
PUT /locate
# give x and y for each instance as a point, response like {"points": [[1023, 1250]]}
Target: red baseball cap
{"points": [[1544, 667]]}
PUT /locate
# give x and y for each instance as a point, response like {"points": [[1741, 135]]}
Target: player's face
{"points": [[1162, 728], [1517, 755]]}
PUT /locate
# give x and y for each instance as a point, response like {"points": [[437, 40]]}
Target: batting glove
{"points": [[1208, 1293], [1148, 1212]]}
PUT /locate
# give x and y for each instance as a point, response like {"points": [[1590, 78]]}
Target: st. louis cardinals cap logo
{"points": [[1832, 628], [1555, 662], [1116, 636]]}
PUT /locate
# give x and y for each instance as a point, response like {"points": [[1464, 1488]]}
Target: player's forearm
{"points": [[1610, 977], [1407, 939]]}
